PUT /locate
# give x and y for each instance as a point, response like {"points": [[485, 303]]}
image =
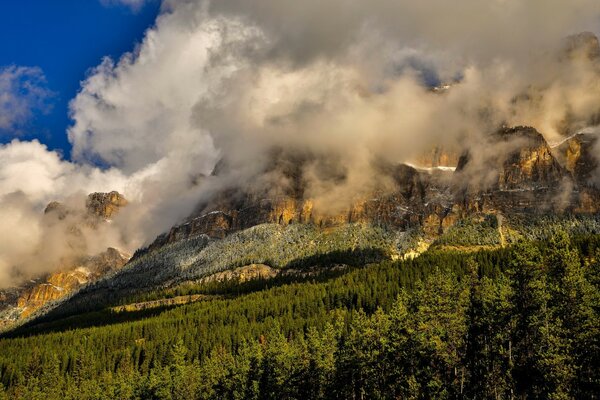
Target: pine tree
{"points": [[574, 318], [486, 355], [531, 320]]}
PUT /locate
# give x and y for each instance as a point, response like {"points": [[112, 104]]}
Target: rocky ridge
{"points": [[78, 270], [523, 175], [525, 180]]}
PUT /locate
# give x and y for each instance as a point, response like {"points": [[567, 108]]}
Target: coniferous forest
{"points": [[521, 322]]}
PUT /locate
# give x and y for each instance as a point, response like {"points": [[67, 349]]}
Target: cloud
{"points": [[30, 177], [22, 93], [345, 80], [341, 84], [469, 29]]}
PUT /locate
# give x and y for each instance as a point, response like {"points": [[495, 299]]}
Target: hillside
{"points": [[433, 287], [76, 268], [528, 184], [442, 325]]}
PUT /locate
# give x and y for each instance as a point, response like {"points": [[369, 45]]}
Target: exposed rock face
{"points": [[244, 274], [521, 160], [98, 207], [105, 205], [577, 155], [59, 284], [522, 175], [583, 44], [76, 269], [531, 165], [58, 209], [439, 156], [416, 198]]}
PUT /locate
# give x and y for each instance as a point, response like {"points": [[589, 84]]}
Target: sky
{"points": [[64, 39]]}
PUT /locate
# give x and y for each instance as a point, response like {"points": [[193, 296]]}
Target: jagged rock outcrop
{"points": [[520, 175], [35, 295], [76, 268], [105, 205], [584, 44], [58, 209], [98, 207], [520, 160], [577, 154]]}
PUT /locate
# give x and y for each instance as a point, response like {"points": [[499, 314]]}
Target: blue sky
{"points": [[65, 38]]}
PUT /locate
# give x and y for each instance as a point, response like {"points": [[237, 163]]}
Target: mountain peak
{"points": [[105, 205], [584, 43]]}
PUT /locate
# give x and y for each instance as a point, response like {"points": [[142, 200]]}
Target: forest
{"points": [[519, 322]]}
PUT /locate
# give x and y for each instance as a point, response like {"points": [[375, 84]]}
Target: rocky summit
{"points": [[105, 205]]}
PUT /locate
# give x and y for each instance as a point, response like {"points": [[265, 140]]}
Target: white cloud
{"points": [[22, 92]]}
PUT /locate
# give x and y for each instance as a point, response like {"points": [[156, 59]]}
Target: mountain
{"points": [[577, 154], [75, 270], [464, 273], [490, 200], [523, 174]]}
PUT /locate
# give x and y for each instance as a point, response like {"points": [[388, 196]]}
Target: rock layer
{"points": [[521, 175]]}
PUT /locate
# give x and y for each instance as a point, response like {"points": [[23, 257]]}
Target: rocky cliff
{"points": [[577, 154], [61, 283], [522, 174], [76, 270], [105, 205], [417, 199]]}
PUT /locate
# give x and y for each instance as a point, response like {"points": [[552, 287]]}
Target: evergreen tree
{"points": [[531, 320]]}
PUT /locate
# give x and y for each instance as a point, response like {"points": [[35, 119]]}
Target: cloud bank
{"points": [[344, 80]]}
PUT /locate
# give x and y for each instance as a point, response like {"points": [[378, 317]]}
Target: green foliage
{"points": [[472, 232], [519, 322], [295, 246]]}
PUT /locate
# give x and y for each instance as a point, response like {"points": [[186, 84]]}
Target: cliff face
{"points": [[415, 198], [439, 156], [529, 166], [105, 205], [75, 270], [522, 175], [584, 44], [525, 177], [577, 155], [35, 295]]}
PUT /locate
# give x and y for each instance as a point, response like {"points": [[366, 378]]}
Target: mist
{"points": [[345, 80]]}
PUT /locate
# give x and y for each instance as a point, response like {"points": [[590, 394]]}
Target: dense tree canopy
{"points": [[521, 322]]}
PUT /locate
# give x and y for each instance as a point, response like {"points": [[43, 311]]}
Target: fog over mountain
{"points": [[347, 81]]}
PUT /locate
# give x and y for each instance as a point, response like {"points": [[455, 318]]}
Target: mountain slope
{"points": [[76, 269], [525, 184]]}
